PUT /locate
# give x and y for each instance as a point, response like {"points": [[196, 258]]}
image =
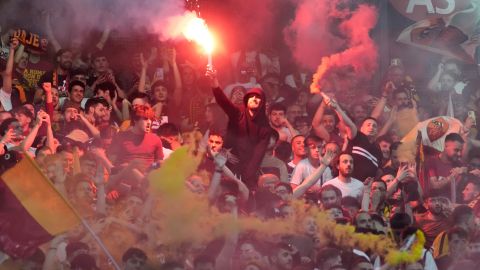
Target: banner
{"points": [[447, 27]]}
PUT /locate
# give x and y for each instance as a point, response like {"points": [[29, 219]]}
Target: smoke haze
{"points": [[333, 34]]}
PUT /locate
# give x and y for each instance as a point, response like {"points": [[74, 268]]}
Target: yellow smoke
{"points": [[183, 217]]}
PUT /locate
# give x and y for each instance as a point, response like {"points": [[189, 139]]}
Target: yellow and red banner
{"points": [[32, 211]]}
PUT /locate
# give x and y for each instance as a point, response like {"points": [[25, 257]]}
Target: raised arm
{"points": [[350, 127], [317, 125], [28, 141], [177, 90], [104, 37], [366, 194], [222, 100], [93, 130], [382, 102], [8, 73], [388, 124], [313, 178], [220, 161], [51, 36]]}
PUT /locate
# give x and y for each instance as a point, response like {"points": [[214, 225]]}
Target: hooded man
{"points": [[248, 130]]}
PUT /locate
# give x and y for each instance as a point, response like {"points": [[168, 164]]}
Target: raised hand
{"points": [[47, 87], [14, 43], [327, 158], [220, 160], [8, 137], [211, 73], [402, 173]]}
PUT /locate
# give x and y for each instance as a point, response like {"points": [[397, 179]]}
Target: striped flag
{"points": [[32, 211]]}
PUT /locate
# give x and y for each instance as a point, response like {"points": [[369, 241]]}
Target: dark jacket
{"points": [[247, 136]]}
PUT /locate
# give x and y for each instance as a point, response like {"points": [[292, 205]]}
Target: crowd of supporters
{"points": [[387, 159]]}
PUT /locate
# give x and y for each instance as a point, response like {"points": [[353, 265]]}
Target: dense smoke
{"points": [[334, 34], [78, 18]]}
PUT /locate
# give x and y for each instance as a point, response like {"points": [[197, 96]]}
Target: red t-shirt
{"points": [[430, 227], [127, 146], [435, 167]]}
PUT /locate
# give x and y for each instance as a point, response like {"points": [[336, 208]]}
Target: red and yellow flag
{"points": [[32, 211]]}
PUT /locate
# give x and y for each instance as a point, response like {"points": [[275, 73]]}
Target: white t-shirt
{"points": [[304, 168], [5, 99], [354, 188]]}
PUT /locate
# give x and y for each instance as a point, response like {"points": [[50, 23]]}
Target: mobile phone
{"points": [[158, 76], [471, 114]]}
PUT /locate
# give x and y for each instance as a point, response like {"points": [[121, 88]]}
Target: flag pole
{"points": [[83, 221], [100, 243]]}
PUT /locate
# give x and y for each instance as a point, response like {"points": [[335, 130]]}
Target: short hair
{"points": [[106, 86], [138, 95], [454, 137], [331, 113], [142, 112], [354, 221], [215, 132], [369, 118], [7, 122], [158, 84], [378, 180], [337, 159], [93, 102], [75, 83], [98, 54], [133, 252], [283, 151], [385, 138], [400, 221], [474, 180], [329, 187], [277, 107], [460, 213], [311, 137], [296, 136], [60, 52], [23, 110]]}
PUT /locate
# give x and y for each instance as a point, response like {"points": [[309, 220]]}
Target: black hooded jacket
{"points": [[247, 136]]}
